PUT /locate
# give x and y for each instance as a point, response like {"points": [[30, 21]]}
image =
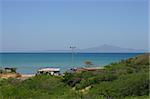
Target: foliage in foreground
{"points": [[118, 80], [38, 87]]}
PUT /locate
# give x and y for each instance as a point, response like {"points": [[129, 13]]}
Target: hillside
{"points": [[141, 59], [118, 80]]}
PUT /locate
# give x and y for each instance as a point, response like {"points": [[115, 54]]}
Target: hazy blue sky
{"points": [[29, 25]]}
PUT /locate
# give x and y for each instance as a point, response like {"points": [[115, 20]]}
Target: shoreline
{"points": [[29, 63], [26, 76], [16, 75]]}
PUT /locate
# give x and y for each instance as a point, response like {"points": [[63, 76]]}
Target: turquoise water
{"points": [[31, 62]]}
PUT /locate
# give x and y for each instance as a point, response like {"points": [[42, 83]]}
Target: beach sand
{"points": [[16, 75]]}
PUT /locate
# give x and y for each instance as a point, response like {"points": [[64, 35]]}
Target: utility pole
{"points": [[72, 55]]}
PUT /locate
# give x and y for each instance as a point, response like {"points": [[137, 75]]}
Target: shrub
{"points": [[136, 84]]}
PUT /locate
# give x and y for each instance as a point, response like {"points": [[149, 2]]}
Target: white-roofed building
{"points": [[49, 71]]}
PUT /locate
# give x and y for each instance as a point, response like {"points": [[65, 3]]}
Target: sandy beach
{"points": [[16, 75]]}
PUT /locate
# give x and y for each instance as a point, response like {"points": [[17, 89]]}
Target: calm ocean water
{"points": [[31, 62]]}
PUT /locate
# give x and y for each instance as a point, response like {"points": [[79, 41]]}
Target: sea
{"points": [[29, 63]]}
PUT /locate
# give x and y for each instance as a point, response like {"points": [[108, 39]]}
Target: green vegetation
{"points": [[39, 87], [127, 79]]}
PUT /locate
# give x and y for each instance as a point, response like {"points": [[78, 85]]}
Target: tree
{"points": [[88, 63], [13, 70]]}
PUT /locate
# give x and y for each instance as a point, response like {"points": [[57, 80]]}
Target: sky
{"points": [[36, 25]]}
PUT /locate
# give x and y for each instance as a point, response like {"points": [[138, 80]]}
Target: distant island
{"points": [[105, 48], [102, 49]]}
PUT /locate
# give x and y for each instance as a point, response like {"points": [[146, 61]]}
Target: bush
{"points": [[136, 84], [38, 86]]}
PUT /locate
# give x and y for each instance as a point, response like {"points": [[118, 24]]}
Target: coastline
{"points": [[28, 63]]}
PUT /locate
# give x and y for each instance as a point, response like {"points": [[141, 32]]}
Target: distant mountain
{"points": [[57, 51], [102, 49], [111, 49]]}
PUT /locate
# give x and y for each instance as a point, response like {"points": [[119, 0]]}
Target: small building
{"points": [[10, 69], [49, 71], [86, 69]]}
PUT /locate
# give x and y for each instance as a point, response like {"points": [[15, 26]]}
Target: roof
{"points": [[89, 69], [49, 69], [10, 68]]}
